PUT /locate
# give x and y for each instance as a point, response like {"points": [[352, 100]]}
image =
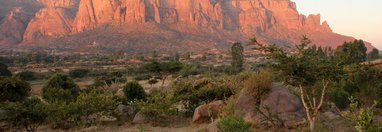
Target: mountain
{"points": [[164, 25]]}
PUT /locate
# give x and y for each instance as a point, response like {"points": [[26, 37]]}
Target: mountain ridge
{"points": [[188, 22]]}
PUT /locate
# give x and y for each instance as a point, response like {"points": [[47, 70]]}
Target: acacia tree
{"points": [[311, 70], [237, 57], [163, 69]]}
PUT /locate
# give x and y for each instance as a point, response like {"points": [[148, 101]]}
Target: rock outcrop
{"points": [[272, 21], [13, 26], [279, 102], [207, 111]]}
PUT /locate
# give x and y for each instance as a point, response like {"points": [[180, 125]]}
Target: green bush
{"points": [[233, 124], [78, 73], [339, 97], [30, 113], [156, 107], [194, 92], [134, 91], [13, 89], [86, 110], [60, 87]]}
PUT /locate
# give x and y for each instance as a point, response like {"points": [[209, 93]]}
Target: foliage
{"points": [[339, 97], [156, 107], [4, 70], [108, 79], [363, 82], [78, 73], [13, 89], [311, 69], [373, 55], [60, 87], [86, 110], [27, 75], [259, 84], [163, 69], [229, 108], [351, 53], [194, 92], [30, 113], [237, 57], [233, 124], [134, 91], [363, 117]]}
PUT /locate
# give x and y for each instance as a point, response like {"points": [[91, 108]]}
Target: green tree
{"points": [[373, 55], [133, 90], [164, 69], [351, 53], [4, 70], [13, 89], [311, 70], [60, 87], [30, 114], [237, 57]]}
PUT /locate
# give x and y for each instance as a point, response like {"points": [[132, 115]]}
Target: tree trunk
{"points": [[311, 125]]}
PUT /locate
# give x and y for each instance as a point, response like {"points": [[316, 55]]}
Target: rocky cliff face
{"points": [[13, 26], [243, 19]]}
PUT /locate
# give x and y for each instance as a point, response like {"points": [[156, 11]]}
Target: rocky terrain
{"points": [[165, 25]]}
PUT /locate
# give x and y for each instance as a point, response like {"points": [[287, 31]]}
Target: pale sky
{"points": [[361, 19]]}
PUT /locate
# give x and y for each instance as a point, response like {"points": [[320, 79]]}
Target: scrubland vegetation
{"points": [[165, 92]]}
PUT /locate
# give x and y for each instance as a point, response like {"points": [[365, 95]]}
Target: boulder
{"points": [[139, 118], [205, 112], [126, 111], [287, 106], [279, 102]]}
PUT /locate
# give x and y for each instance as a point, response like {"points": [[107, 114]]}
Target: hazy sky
{"points": [[361, 19]]}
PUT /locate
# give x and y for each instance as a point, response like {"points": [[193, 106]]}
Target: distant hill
{"points": [[163, 25]]}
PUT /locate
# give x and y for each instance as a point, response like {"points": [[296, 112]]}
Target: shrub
{"points": [[86, 110], [194, 92], [60, 87], [233, 124], [133, 90], [30, 114], [13, 89], [79, 73], [157, 107], [259, 84], [339, 97], [363, 117], [4, 70]]}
